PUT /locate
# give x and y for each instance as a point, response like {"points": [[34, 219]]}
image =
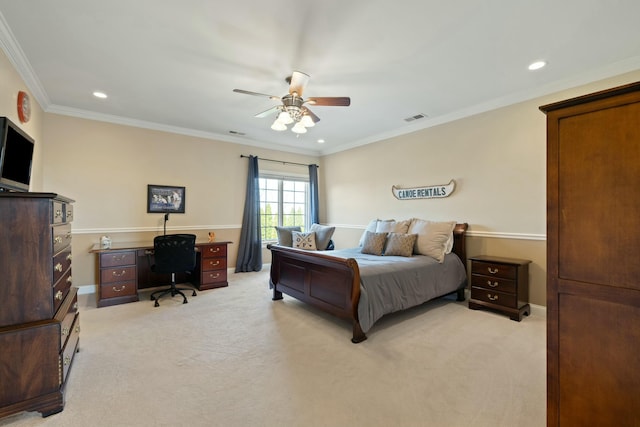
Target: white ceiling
{"points": [[172, 65]]}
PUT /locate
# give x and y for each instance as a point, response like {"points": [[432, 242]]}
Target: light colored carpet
{"points": [[232, 357]]}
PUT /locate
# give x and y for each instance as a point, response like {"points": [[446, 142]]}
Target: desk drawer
{"points": [[118, 274], [209, 264], [214, 276], [121, 289], [211, 251], [113, 259]]}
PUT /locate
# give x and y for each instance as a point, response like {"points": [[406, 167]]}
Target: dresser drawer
{"points": [[211, 251], [213, 276], [61, 237], [67, 321], [57, 212], [121, 289], [69, 350], [494, 297], [68, 212], [61, 289], [112, 259], [209, 264], [61, 263], [494, 269], [493, 283]]}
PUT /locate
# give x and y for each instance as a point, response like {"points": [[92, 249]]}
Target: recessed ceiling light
{"points": [[537, 65], [100, 95], [321, 141]]}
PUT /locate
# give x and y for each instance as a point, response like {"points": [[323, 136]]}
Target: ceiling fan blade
{"points": [[298, 82], [268, 112], [308, 112], [246, 92], [339, 101]]}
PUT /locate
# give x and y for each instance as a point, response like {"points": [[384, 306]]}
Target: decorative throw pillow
{"points": [[284, 235], [371, 227], [323, 235], [373, 243], [399, 244], [432, 237], [305, 241]]}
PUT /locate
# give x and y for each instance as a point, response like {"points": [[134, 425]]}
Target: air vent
{"points": [[416, 117], [234, 132]]}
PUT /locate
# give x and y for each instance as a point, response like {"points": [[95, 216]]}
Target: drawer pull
{"points": [[77, 330], [58, 268], [65, 331], [69, 257], [492, 297], [492, 270], [67, 236], [59, 295], [118, 257], [214, 264], [214, 250], [69, 279], [58, 213], [122, 288], [75, 305], [119, 274], [67, 360], [212, 276], [493, 285], [57, 240], [69, 214]]}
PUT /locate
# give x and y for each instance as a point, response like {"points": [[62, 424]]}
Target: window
{"points": [[284, 202]]}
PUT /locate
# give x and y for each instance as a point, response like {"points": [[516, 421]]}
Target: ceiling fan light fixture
{"points": [[285, 118], [278, 126], [299, 128], [307, 121]]}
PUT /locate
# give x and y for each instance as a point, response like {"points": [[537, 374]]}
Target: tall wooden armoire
{"points": [[593, 259]]}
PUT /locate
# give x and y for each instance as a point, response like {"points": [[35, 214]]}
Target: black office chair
{"points": [[173, 253]]}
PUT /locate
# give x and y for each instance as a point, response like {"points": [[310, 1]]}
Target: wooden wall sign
{"points": [[430, 192]]}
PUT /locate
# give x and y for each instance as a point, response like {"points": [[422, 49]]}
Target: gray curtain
{"points": [[314, 206], [250, 246]]}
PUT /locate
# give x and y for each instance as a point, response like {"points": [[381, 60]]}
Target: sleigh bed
{"points": [[362, 288]]}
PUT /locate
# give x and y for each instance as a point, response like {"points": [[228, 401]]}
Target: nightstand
{"points": [[500, 284]]}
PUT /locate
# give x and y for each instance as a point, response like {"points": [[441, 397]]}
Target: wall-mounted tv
{"points": [[16, 155]]}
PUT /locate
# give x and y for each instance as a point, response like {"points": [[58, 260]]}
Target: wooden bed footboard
{"points": [[332, 284]]}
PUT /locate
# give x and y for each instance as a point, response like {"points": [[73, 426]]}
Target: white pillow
{"points": [[432, 237], [371, 228], [393, 226], [305, 241]]}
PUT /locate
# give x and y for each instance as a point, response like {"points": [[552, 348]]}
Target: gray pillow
{"points": [[284, 235], [323, 235], [400, 244], [373, 243]]}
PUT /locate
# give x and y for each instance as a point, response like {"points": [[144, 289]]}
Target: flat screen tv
{"points": [[16, 155]]}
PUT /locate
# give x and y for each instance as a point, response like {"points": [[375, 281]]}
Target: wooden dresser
{"points": [[39, 321], [593, 267], [125, 268], [500, 284]]}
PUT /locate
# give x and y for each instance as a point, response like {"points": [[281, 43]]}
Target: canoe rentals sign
{"points": [[431, 192]]}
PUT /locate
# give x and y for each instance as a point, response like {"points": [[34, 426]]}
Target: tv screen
{"points": [[16, 155]]}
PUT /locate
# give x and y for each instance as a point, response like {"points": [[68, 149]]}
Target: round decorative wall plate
{"points": [[24, 107]]}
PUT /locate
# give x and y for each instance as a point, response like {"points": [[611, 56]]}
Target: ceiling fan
{"points": [[292, 108]]}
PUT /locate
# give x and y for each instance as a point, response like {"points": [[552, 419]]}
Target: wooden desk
{"points": [[126, 267]]}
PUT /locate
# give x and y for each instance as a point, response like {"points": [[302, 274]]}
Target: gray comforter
{"points": [[394, 283]]}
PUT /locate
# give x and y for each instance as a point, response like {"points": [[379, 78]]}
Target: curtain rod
{"points": [[278, 161]]}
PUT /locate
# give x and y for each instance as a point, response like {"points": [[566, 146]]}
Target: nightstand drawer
{"points": [[494, 297], [494, 269], [493, 283]]}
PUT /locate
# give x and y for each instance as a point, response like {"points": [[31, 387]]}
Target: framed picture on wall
{"points": [[165, 199]]}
